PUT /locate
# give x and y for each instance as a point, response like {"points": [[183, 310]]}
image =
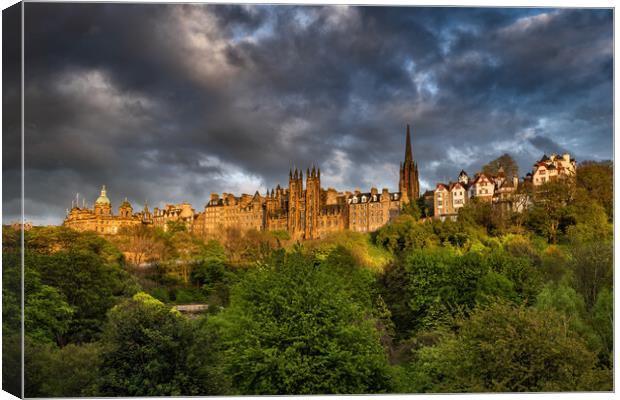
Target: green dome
{"points": [[103, 198]]}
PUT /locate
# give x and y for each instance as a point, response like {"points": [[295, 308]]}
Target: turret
{"points": [[125, 210], [102, 204]]}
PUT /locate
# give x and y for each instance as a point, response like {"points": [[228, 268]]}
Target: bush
{"points": [[505, 348]]}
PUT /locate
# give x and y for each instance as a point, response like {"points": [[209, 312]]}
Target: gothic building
{"points": [[304, 208], [409, 185]]}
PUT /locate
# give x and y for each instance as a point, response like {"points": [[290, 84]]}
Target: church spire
{"points": [[408, 156], [409, 185]]}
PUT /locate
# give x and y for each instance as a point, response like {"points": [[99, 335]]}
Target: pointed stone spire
{"points": [[295, 175], [318, 173], [290, 173], [313, 171], [408, 156]]}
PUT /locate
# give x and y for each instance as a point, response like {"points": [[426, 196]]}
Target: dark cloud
{"points": [[170, 102], [547, 145]]}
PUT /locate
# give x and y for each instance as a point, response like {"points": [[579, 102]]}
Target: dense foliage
{"points": [[295, 327], [497, 300]]}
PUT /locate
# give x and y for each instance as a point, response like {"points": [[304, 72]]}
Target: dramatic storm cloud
{"points": [[168, 103]]}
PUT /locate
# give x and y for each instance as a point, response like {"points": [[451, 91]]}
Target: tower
{"points": [[102, 204], [125, 210], [409, 185], [296, 204], [313, 198]]}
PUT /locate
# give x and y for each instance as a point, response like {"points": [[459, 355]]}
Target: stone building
{"points": [[305, 211], [304, 208], [174, 212], [101, 219]]}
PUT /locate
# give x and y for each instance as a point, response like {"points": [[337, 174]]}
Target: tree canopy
{"points": [[294, 328]]}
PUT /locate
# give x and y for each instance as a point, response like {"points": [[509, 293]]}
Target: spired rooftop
{"points": [[304, 209]]}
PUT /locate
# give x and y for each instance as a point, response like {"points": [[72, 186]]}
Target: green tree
{"points": [[47, 314], [442, 284], [394, 289], [592, 268], [146, 352], [404, 234], [71, 371], [413, 209], [11, 312], [89, 285], [293, 328], [550, 213], [505, 161], [505, 348], [564, 299], [597, 179], [603, 323]]}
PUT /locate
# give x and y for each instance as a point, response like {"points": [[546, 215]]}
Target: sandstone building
{"points": [[304, 209], [100, 218], [310, 211]]}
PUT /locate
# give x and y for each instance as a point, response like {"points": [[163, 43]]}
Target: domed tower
{"points": [[102, 204], [125, 210]]}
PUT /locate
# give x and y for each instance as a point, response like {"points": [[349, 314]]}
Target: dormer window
{"points": [[374, 197], [363, 199]]}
